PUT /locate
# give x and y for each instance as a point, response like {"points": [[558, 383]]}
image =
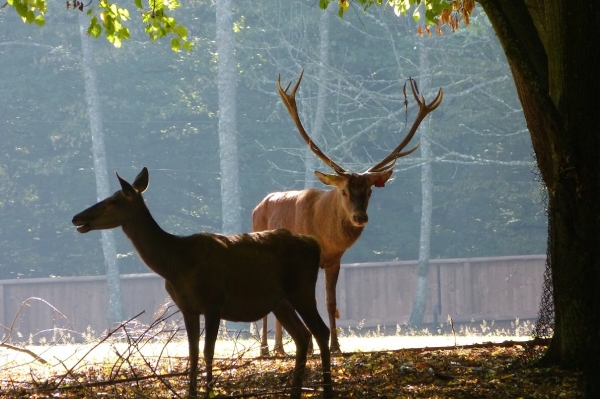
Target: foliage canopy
{"points": [[110, 19]]}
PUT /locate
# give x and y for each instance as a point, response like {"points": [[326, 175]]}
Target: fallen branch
{"points": [[34, 355]]}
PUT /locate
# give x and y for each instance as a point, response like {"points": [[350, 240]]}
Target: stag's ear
{"points": [[378, 179], [141, 181], [331, 180], [127, 189]]}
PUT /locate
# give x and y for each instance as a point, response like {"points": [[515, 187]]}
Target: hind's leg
{"points": [[288, 318], [319, 330]]}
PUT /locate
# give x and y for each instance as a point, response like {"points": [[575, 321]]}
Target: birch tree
{"points": [[94, 110], [319, 121], [420, 301], [228, 149]]}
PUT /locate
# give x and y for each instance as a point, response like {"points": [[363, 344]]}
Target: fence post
{"points": [[3, 321], [468, 288]]}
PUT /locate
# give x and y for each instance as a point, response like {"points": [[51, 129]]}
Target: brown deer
{"points": [[238, 278], [336, 217]]}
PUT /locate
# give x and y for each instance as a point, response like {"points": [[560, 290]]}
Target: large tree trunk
{"points": [[115, 301], [553, 54]]}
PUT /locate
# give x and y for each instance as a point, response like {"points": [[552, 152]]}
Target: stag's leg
{"points": [[288, 318], [319, 330], [278, 349], [331, 277], [264, 346], [211, 331], [192, 328]]}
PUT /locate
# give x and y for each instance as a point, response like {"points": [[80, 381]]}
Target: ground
{"points": [[492, 370]]}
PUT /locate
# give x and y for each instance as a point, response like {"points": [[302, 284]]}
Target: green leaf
{"points": [[175, 44], [39, 20], [30, 16], [21, 10], [41, 5], [124, 14], [430, 17], [416, 15], [123, 33], [138, 4], [95, 30], [181, 31]]}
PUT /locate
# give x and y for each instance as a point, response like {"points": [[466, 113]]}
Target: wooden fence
{"points": [[369, 294]]}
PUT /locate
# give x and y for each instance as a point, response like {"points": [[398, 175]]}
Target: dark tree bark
{"points": [[554, 55]]}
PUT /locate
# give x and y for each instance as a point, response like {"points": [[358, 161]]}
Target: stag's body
{"points": [[238, 278], [312, 212], [318, 213], [336, 217]]}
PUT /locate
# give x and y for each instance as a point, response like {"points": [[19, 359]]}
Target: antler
{"points": [[388, 162], [290, 103]]}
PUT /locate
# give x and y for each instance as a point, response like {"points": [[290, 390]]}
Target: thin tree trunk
{"points": [[115, 301], [317, 130], [420, 301], [228, 150]]}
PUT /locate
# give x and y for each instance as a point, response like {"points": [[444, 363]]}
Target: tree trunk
{"points": [[558, 90], [230, 193], [115, 301], [317, 130], [228, 150], [420, 301]]}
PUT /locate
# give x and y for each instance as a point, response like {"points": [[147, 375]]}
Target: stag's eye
{"points": [[344, 193]]}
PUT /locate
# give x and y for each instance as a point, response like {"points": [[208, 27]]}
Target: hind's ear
{"points": [[141, 181], [127, 189]]}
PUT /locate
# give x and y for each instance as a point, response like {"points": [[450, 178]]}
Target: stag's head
{"points": [[355, 188], [354, 191], [116, 210]]}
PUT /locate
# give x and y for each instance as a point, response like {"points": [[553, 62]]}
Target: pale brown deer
{"points": [[238, 278], [336, 217]]}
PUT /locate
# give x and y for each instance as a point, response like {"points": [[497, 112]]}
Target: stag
{"points": [[238, 278], [336, 217]]}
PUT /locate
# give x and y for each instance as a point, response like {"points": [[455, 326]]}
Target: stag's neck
{"points": [[340, 233], [156, 247]]}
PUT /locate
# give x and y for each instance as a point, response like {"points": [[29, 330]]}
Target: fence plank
{"points": [[380, 294]]}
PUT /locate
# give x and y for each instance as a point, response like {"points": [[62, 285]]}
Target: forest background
{"points": [[160, 110]]}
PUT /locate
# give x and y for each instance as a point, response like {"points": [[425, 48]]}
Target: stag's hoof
{"points": [[278, 350]]}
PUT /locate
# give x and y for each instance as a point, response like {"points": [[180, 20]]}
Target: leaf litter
{"points": [[492, 370]]}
